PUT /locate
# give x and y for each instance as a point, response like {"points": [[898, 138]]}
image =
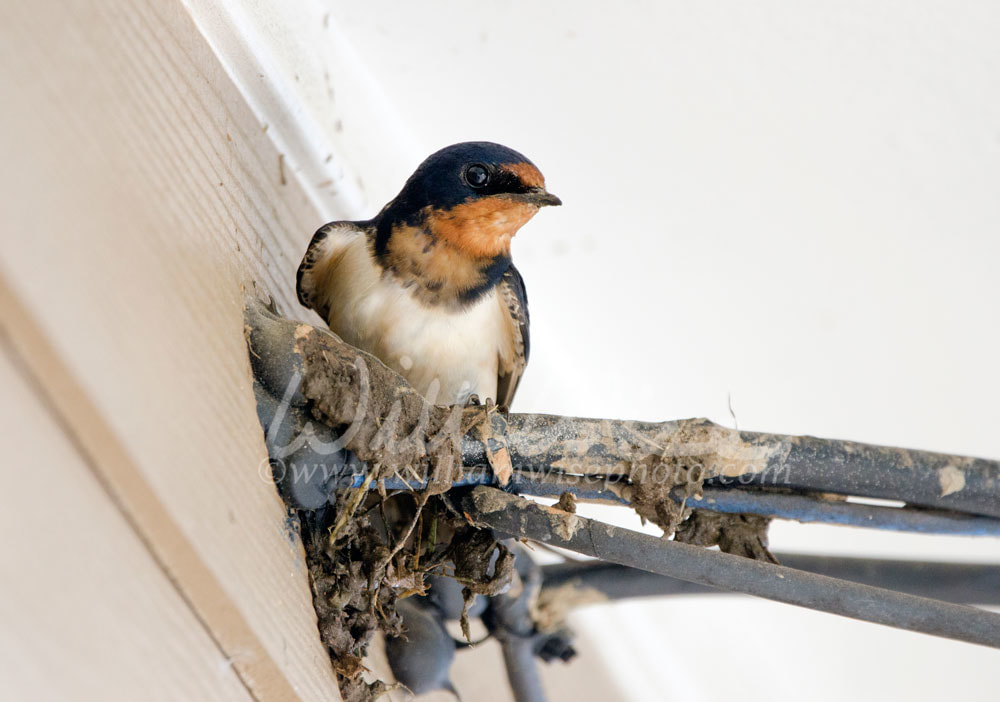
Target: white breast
{"points": [[445, 354]]}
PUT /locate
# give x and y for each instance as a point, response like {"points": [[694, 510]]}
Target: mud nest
{"points": [[359, 568], [369, 548]]}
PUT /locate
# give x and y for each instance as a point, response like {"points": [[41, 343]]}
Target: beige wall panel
{"points": [[86, 612], [142, 202]]}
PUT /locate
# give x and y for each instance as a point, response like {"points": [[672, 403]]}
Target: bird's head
{"points": [[474, 196]]}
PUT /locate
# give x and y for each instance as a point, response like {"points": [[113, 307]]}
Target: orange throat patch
{"points": [[481, 228], [455, 255]]}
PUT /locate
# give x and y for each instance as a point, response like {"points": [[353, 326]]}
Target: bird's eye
{"points": [[476, 175]]}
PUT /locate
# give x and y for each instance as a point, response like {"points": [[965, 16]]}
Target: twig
{"points": [[360, 495]]}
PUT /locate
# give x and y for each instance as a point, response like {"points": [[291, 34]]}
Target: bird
{"points": [[428, 285]]}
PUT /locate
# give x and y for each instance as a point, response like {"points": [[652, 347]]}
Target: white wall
{"points": [[793, 204]]}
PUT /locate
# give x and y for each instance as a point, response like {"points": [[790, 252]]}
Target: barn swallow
{"points": [[428, 285]]}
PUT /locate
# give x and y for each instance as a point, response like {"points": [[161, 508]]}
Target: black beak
{"points": [[542, 198]]}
